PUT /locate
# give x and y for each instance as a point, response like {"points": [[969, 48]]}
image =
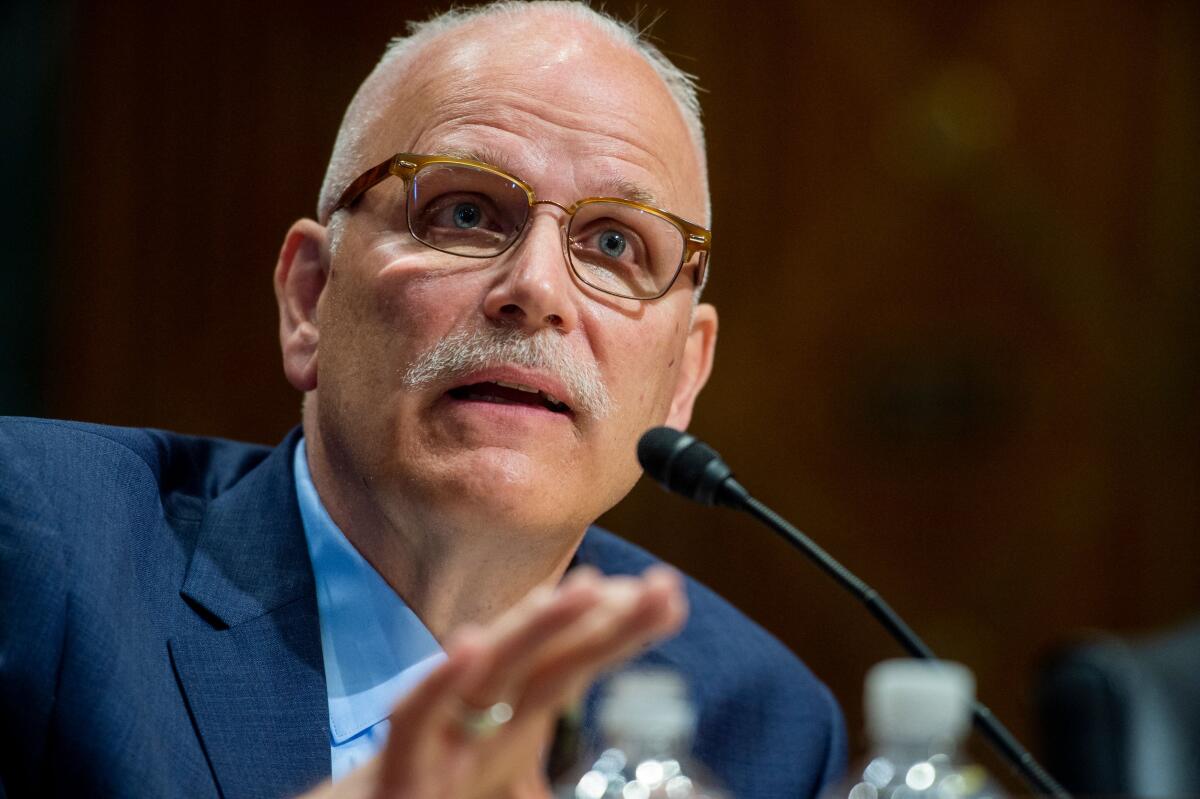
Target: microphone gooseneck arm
{"points": [[687, 466], [985, 721]]}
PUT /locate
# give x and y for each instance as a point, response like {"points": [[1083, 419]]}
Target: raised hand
{"points": [[477, 727]]}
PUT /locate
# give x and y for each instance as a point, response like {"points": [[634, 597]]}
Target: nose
{"points": [[536, 291]]}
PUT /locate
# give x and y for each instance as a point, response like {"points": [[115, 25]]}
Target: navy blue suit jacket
{"points": [[159, 632]]}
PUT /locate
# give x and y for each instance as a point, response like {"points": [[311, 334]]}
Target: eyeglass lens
{"points": [[616, 248]]}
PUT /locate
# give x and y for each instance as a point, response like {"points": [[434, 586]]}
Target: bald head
{"points": [[526, 38]]}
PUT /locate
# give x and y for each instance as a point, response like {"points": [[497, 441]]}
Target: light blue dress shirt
{"points": [[375, 648]]}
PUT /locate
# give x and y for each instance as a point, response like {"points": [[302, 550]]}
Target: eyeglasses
{"points": [[468, 208]]}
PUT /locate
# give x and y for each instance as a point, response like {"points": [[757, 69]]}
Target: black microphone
{"points": [[686, 465], [683, 464]]}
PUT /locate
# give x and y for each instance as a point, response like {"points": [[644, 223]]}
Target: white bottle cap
{"points": [[647, 702], [916, 701]]}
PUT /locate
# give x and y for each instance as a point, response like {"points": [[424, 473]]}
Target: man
{"points": [[499, 296]]}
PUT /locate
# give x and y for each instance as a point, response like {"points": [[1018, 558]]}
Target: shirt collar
{"points": [[374, 647]]}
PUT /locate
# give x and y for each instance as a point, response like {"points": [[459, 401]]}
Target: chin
{"points": [[505, 489]]}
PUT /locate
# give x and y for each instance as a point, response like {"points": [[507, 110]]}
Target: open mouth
{"points": [[506, 393]]}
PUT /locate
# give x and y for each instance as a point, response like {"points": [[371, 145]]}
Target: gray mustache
{"points": [[465, 351]]}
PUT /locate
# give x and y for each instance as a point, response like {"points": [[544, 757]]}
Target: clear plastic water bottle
{"points": [[648, 724], [918, 717]]}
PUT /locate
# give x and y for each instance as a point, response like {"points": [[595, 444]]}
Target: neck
{"points": [[449, 570]]}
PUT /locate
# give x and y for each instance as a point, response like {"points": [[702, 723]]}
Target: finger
{"points": [[425, 698], [669, 583], [611, 635], [581, 581], [517, 640], [632, 611], [584, 601], [419, 721], [582, 572], [543, 608], [659, 610]]}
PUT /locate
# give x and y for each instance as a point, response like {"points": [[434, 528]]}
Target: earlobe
{"points": [[300, 277], [696, 367]]}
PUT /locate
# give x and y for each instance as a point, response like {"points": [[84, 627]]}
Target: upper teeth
{"points": [[529, 389], [517, 386]]}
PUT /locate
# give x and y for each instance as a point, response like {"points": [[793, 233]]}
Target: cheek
{"points": [[648, 375], [397, 309], [355, 339], [414, 296]]}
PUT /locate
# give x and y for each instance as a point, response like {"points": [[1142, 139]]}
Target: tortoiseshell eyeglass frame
{"points": [[697, 240]]}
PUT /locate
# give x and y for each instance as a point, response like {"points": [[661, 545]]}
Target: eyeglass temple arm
{"points": [[698, 243], [373, 176]]}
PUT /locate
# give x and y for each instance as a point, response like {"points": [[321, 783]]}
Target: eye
{"points": [[467, 215], [609, 242], [612, 243], [623, 249]]}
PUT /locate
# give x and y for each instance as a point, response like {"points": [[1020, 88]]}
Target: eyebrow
{"points": [[484, 155], [627, 190], [608, 186]]}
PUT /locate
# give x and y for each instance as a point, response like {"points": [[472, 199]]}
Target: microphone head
{"points": [[657, 447], [682, 463]]}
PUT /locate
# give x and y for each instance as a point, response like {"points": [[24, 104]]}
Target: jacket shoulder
{"points": [[96, 499], [54, 454]]}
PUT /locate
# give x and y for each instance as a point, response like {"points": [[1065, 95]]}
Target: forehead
{"points": [[551, 99]]}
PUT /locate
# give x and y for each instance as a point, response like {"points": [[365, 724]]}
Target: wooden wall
{"points": [[956, 251]]}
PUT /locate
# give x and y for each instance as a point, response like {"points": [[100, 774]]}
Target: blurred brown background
{"points": [[956, 261]]}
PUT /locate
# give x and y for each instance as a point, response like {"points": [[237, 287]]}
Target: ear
{"points": [[300, 277], [696, 367]]}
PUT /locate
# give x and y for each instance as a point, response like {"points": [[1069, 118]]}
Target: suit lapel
{"points": [[253, 677]]}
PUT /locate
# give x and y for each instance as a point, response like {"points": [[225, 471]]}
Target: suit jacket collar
{"points": [[250, 556], [253, 676]]}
